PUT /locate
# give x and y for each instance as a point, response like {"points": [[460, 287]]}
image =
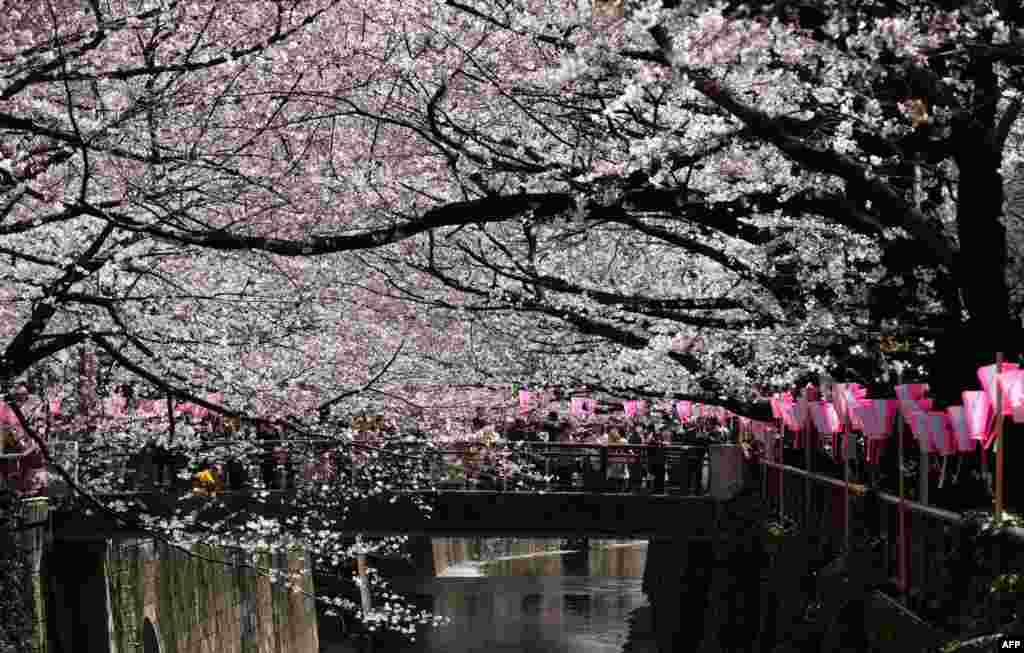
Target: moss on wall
{"points": [[204, 596]]}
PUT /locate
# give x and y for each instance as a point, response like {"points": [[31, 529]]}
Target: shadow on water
{"points": [[529, 596]]}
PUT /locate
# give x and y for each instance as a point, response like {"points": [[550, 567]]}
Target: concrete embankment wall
{"points": [[141, 595]]}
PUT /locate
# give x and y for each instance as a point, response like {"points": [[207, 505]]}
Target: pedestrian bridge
{"points": [[673, 492], [452, 513]]}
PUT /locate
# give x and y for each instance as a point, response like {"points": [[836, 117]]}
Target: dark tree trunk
{"points": [[980, 276]]}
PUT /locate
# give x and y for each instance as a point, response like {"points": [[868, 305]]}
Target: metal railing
{"points": [[589, 466], [937, 565], [530, 466]]}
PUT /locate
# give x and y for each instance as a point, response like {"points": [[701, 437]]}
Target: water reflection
{"points": [[532, 614], [457, 557], [533, 595], [528, 596]]}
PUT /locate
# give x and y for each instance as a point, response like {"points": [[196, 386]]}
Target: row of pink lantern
{"points": [[113, 407], [957, 429], [584, 408]]}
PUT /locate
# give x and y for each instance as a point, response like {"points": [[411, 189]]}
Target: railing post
{"points": [[998, 508], [766, 454], [712, 476], [604, 464], [844, 437], [808, 456], [782, 475]]}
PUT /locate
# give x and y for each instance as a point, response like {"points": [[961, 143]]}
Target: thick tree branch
{"points": [[894, 208]]}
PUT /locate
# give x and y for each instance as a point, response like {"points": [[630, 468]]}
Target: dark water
{"points": [[529, 596]]}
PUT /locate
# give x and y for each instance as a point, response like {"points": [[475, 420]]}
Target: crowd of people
{"points": [[635, 469]]}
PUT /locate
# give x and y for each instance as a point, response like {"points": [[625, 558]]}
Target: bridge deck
{"points": [[467, 513]]}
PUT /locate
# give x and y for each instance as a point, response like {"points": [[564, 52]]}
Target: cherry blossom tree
{"points": [[310, 205]]}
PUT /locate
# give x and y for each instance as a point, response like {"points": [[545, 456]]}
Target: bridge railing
{"points": [[574, 466], [289, 464], [938, 564]]}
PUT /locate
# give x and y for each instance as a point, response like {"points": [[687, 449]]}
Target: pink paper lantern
{"points": [[524, 401], [918, 427], [1011, 383], [148, 408], [7, 415], [826, 420], [911, 408], [683, 410], [845, 397], [583, 407], [795, 416], [630, 408], [876, 417], [958, 425], [911, 391], [779, 401], [987, 375], [825, 417], [977, 413], [940, 433], [577, 408], [189, 408]]}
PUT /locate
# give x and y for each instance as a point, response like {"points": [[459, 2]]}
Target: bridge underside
{"points": [[457, 513], [555, 513]]}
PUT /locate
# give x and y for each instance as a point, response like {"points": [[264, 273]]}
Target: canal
{"points": [[527, 595]]}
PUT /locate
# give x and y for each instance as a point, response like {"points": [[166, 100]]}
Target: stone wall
{"points": [[207, 602], [22, 542]]}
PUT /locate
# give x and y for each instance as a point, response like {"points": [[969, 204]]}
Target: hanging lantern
{"points": [[876, 417], [826, 419], [977, 413], [961, 434], [912, 400], [987, 375], [932, 431], [846, 397], [910, 391], [795, 416], [684, 409], [524, 402], [911, 408], [1011, 384]]}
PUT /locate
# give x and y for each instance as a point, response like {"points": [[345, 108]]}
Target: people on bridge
{"points": [[618, 472], [657, 458], [637, 466]]}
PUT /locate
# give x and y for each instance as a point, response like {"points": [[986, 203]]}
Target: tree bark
{"points": [[980, 276]]}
